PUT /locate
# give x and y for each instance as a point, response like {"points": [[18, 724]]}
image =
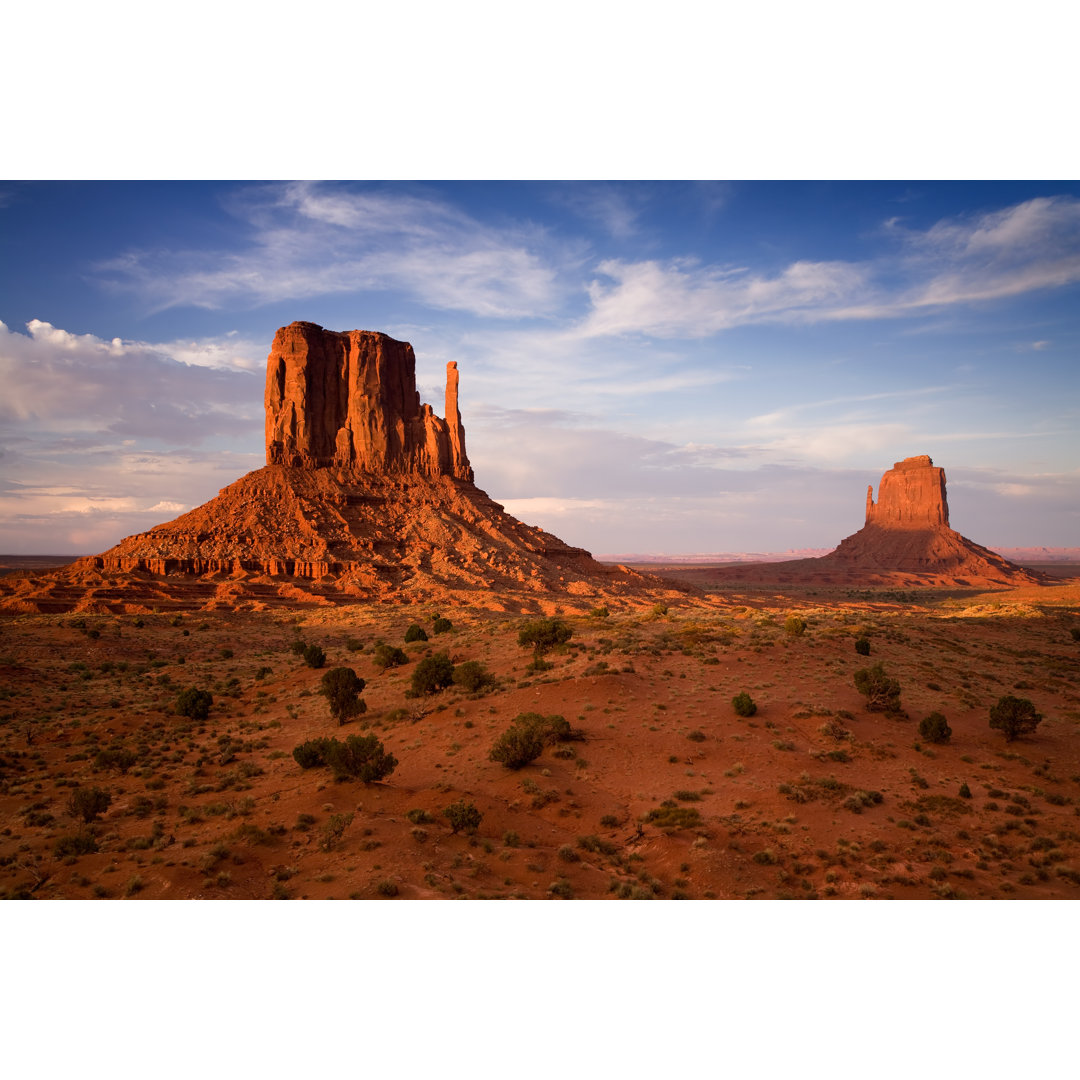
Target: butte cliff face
{"points": [[349, 400], [366, 494], [911, 495]]}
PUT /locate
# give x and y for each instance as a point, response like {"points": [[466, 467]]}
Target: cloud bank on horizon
{"points": [[645, 367]]}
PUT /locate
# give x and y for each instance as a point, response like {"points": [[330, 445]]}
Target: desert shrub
{"points": [[669, 815], [600, 612], [333, 830], [361, 756], [862, 646], [89, 803], [561, 889], [463, 816], [595, 843], [432, 674], [310, 754], [387, 888], [795, 626], [525, 739], [297, 646], [569, 854], [543, 635], [341, 687], [420, 817], [415, 633], [965, 791], [115, 758], [314, 656], [388, 656], [441, 625], [193, 703], [935, 728], [473, 677], [1014, 717], [1075, 633], [744, 704], [696, 736], [882, 693], [81, 843]]}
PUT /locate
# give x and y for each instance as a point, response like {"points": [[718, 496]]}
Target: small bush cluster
{"points": [[669, 815], [463, 816], [862, 646], [388, 656], [795, 626], [441, 625], [525, 739], [744, 704], [341, 687], [415, 633], [362, 757], [935, 728], [543, 635], [1014, 717], [89, 803], [314, 656], [432, 674], [882, 693], [473, 677], [193, 703]]}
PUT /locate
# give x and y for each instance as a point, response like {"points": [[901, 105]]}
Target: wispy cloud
{"points": [[307, 240], [1034, 245]]}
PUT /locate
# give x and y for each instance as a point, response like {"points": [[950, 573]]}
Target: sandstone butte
{"points": [[906, 541], [366, 495]]}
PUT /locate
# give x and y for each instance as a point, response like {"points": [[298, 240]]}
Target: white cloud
{"points": [[1034, 245], [312, 240], [77, 383]]}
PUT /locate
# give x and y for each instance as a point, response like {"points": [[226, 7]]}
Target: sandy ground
{"points": [[668, 794]]}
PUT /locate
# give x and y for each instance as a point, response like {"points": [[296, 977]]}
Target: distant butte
{"points": [[906, 541], [366, 495]]}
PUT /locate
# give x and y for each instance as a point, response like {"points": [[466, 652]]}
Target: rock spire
{"points": [[911, 495]]}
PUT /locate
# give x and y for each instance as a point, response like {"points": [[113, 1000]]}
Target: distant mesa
{"points": [[366, 494]]}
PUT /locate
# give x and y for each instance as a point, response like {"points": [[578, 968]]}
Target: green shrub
{"points": [[1075, 633], [81, 843], [669, 815], [310, 754], [744, 704], [1014, 717], [862, 646], [463, 816], [965, 791], [361, 756], [333, 830], [420, 817], [473, 677], [543, 635], [115, 758], [297, 646], [935, 728], [882, 693], [89, 803], [441, 625], [525, 739], [432, 674], [193, 703], [415, 633], [696, 736], [314, 656], [388, 656], [795, 626], [387, 888], [341, 687]]}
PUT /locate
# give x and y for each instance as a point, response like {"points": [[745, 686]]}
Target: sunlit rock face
{"points": [[349, 400], [911, 495]]}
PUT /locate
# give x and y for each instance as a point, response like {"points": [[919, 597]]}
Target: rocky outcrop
{"points": [[349, 400], [911, 495]]}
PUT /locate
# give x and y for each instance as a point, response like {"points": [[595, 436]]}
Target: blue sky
{"points": [[668, 367]]}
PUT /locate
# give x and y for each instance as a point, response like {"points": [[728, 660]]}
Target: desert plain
{"points": [[664, 792]]}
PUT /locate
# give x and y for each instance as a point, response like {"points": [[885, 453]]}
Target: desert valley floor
{"points": [[666, 793]]}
